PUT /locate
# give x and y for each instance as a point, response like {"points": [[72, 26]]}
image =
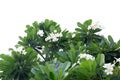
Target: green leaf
{"points": [[72, 55], [79, 24], [62, 70], [6, 58], [52, 28], [62, 56], [94, 47], [87, 23], [52, 74], [97, 30], [78, 29], [86, 70], [110, 39], [100, 59], [36, 73]]}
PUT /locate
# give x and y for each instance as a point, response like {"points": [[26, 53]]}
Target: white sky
{"points": [[16, 14]]}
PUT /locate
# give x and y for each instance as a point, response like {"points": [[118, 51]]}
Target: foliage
{"points": [[50, 53], [17, 66], [51, 71], [85, 71]]}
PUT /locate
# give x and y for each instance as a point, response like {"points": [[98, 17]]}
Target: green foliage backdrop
{"points": [[47, 52]]}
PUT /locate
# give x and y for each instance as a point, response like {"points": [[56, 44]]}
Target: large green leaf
{"points": [[87, 23], [62, 71], [100, 59]]}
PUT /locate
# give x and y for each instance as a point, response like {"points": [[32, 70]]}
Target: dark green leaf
{"points": [[110, 39], [79, 24]]}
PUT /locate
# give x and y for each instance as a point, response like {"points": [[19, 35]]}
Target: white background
{"points": [[16, 14]]}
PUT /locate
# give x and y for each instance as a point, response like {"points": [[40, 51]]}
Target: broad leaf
{"points": [[100, 59]]}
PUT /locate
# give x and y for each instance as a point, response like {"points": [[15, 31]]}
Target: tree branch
{"points": [[39, 54]]}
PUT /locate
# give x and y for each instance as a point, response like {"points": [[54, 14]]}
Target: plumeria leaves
{"points": [[53, 71], [85, 71], [97, 30], [110, 39], [100, 59], [87, 23], [17, 65], [79, 24], [50, 53]]}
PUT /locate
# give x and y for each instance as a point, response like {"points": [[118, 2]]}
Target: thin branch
{"points": [[40, 54]]}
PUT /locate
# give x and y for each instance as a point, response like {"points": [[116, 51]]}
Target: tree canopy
{"points": [[49, 53]]}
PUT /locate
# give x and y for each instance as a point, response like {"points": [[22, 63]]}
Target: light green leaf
{"points": [[87, 23], [100, 59]]}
